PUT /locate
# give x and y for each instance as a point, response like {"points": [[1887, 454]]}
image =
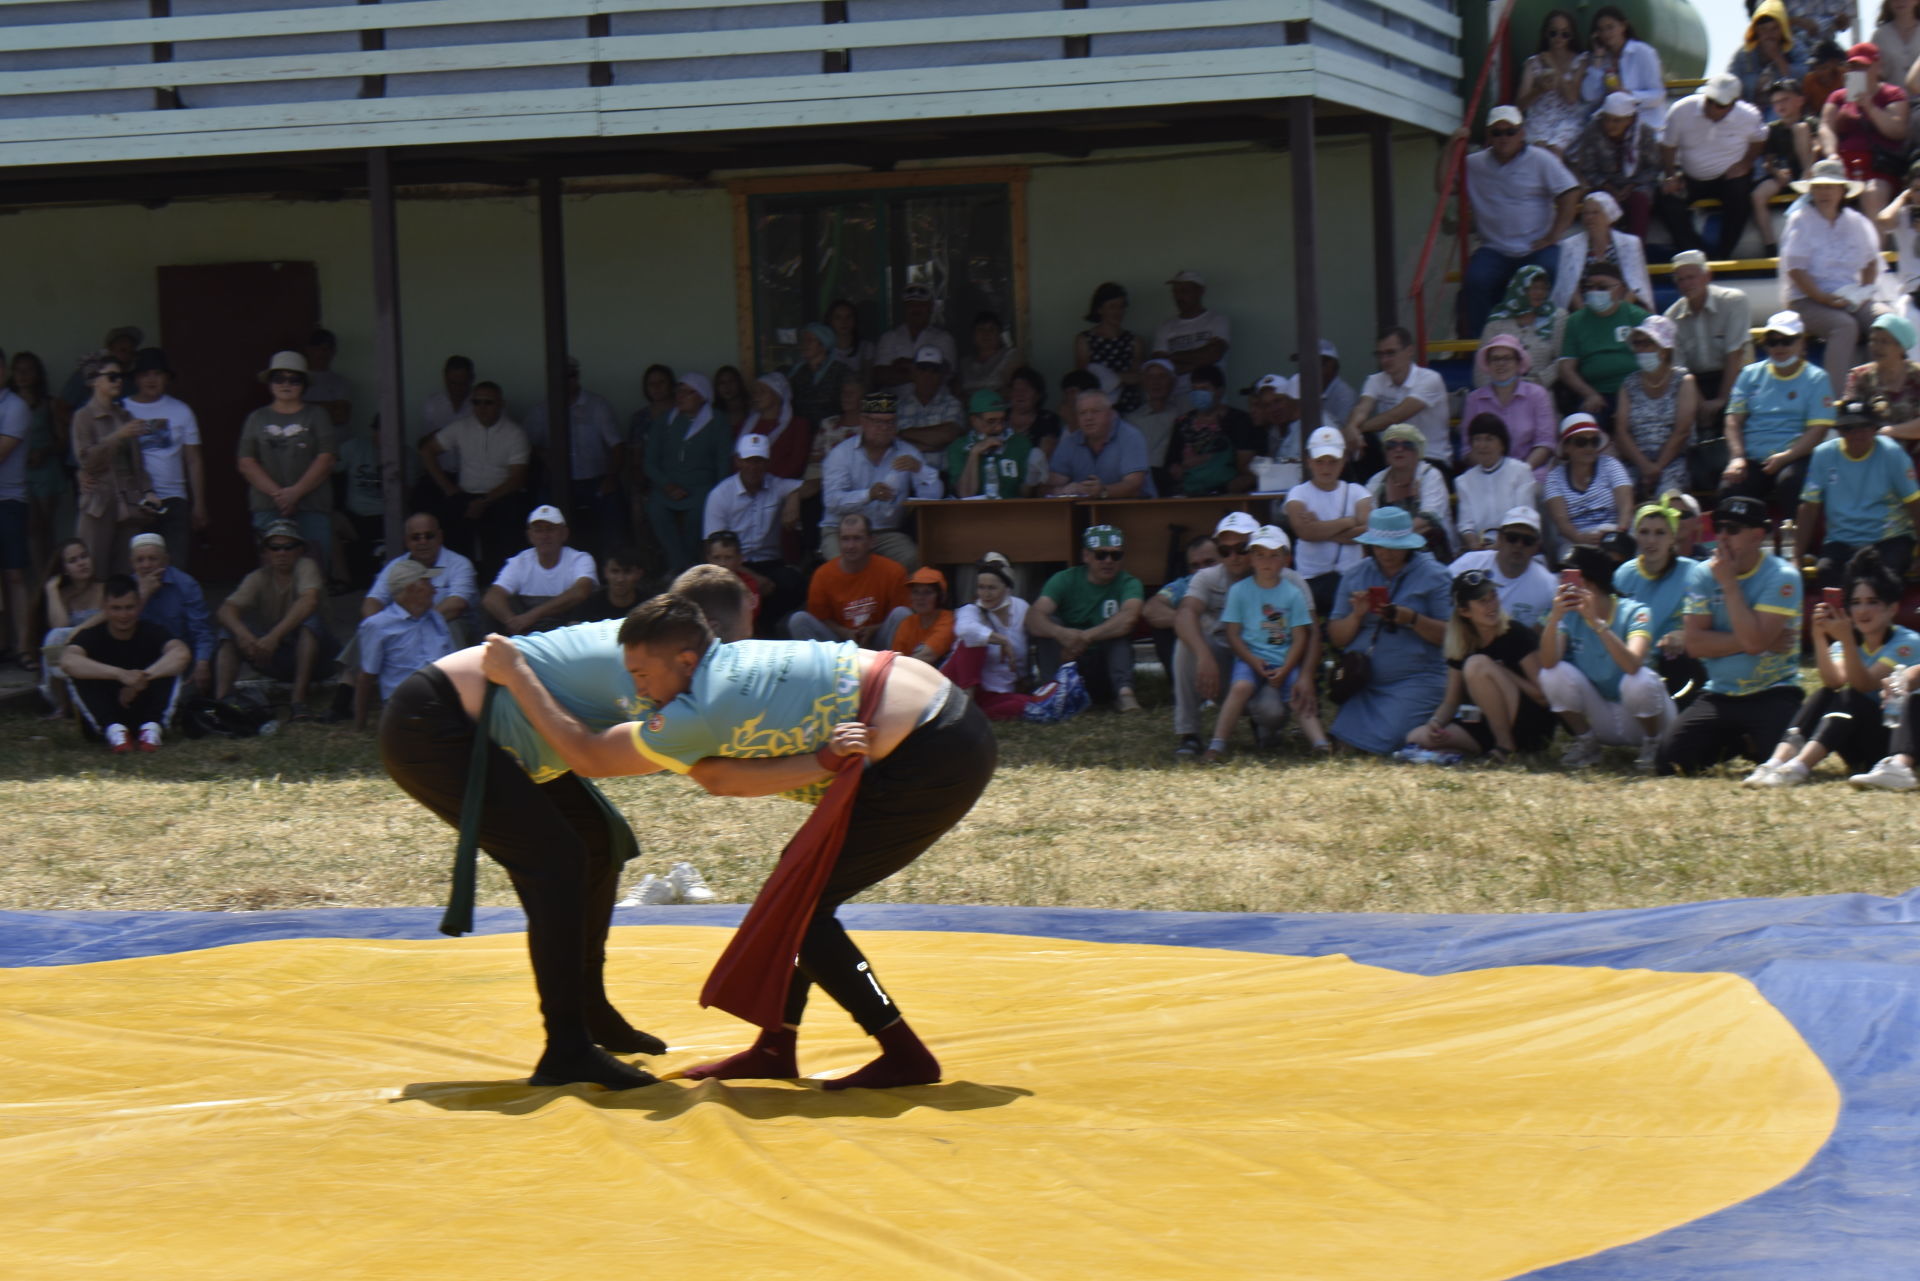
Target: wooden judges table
{"points": [[958, 531]]}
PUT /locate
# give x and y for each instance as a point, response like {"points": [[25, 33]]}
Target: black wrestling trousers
{"points": [[907, 802], [551, 837]]}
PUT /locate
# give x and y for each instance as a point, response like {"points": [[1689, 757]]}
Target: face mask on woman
{"points": [[1504, 382], [1201, 398], [1599, 299], [1647, 360]]}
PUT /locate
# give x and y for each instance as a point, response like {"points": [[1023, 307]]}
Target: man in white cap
{"points": [[1274, 410], [286, 455], [1779, 410], [1195, 335], [598, 447], [897, 351], [406, 635], [1712, 335], [171, 598], [541, 587], [756, 506], [484, 496], [1524, 200], [1707, 152], [1327, 515], [929, 417], [1618, 154], [1337, 395], [1526, 587]]}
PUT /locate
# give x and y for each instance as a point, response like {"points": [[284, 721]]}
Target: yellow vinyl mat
{"points": [[357, 1110]]}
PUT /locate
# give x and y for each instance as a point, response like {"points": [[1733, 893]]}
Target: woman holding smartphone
{"points": [[1493, 704], [116, 495]]}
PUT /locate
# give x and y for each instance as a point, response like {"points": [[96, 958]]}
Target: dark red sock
{"points": [[904, 1060], [770, 1058]]}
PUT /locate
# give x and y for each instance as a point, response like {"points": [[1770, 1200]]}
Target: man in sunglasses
{"points": [[272, 621], [1086, 615], [1779, 410], [1524, 200], [1526, 588]]}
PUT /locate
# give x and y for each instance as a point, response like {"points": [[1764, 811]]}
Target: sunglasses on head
{"points": [[1519, 538], [1110, 553]]}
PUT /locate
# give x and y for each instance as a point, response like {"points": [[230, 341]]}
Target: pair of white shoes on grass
{"points": [[681, 884], [1888, 775]]}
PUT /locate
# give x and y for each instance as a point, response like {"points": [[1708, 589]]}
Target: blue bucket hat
{"points": [[1391, 527]]}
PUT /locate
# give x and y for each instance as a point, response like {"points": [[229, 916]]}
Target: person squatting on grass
{"points": [[1269, 626], [1595, 670]]}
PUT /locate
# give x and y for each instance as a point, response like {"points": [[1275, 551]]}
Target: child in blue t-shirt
{"points": [[1268, 620]]}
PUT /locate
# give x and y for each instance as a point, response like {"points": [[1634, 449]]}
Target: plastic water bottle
{"points": [[1468, 714], [1892, 695]]}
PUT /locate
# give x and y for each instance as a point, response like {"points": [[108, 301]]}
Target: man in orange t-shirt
{"points": [[859, 595], [927, 632]]}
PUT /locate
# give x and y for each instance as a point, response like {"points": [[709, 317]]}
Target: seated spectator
{"points": [[1617, 157], [1823, 20], [1393, 607], [929, 416], [1529, 313], [1490, 485], [1792, 145], [1523, 201], [1826, 72], [597, 459], [1594, 356], [813, 381], [1894, 771], [873, 475], [1274, 413], [991, 461], [1402, 392], [1159, 610], [1743, 624], [1830, 261], [1712, 334], [848, 347], [1337, 395], [1493, 704], [1525, 586], [1110, 344], [1595, 242], [789, 437], [756, 507], [1086, 615], [1707, 152], [1195, 334], [405, 635], [860, 595], [1618, 60], [1072, 383], [1661, 578], [1159, 409], [1596, 668], [1863, 483], [1416, 486], [1104, 458], [1269, 629], [1779, 410], [117, 499], [486, 492], [832, 431], [1769, 53], [1889, 384], [722, 550], [898, 350], [541, 587], [1864, 647], [1027, 409], [16, 544], [926, 633], [686, 458], [287, 451], [1213, 443], [623, 577], [1549, 91], [990, 654], [452, 575], [1864, 126], [1327, 515], [1589, 494], [72, 595], [171, 599], [990, 362], [1524, 409], [273, 621], [125, 671], [1653, 422]]}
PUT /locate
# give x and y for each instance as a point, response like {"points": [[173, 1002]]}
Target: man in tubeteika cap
{"points": [[1086, 615], [402, 638]]}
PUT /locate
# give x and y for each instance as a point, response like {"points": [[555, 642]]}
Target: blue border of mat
{"points": [[1845, 969]]}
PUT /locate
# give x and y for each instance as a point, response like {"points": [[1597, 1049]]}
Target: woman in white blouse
{"points": [[1830, 266], [1597, 240], [990, 644], [1491, 484]]}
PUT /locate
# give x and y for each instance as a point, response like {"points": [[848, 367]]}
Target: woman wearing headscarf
{"points": [[1392, 607], [1594, 242], [1503, 390], [1620, 156], [789, 436], [686, 456], [1653, 423], [1528, 313], [1889, 384], [990, 644], [815, 378], [1660, 577]]}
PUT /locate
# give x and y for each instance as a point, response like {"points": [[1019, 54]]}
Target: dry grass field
{"points": [[1093, 813]]}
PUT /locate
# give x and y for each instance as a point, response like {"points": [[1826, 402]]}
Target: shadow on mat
{"points": [[671, 1099]]}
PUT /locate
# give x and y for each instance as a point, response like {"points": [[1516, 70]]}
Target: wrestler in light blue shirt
{"points": [[1771, 587], [394, 644], [585, 670]]}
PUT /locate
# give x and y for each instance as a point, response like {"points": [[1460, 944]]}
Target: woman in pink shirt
{"points": [[1525, 407]]}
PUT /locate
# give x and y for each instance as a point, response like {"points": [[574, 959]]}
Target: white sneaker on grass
{"points": [[1788, 775], [1582, 752], [652, 891], [1649, 758], [1889, 775], [688, 885], [1762, 775]]}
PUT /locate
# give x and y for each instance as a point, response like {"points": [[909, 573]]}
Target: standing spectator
{"points": [[1269, 626], [1830, 261], [1525, 586], [1595, 243], [656, 394], [49, 491], [1491, 483], [991, 461], [401, 638], [454, 583], [1899, 221], [1327, 515], [929, 416], [873, 475], [813, 381], [898, 350], [991, 635], [1523, 408], [1653, 423], [116, 496], [483, 498], [1529, 314], [1595, 668], [1619, 61], [171, 599], [848, 347], [789, 437], [1863, 483], [1823, 20], [1109, 343], [1779, 410], [990, 361], [1549, 90], [539, 588], [1523, 200], [1416, 486], [286, 456], [1589, 495], [1707, 153], [1660, 578], [1768, 53], [1159, 409], [442, 408], [1619, 156], [72, 595], [1493, 704], [326, 386], [273, 620], [686, 458], [1401, 635], [1898, 39], [1712, 336], [1105, 458], [1213, 443], [756, 506], [1402, 392], [15, 539], [1864, 124], [597, 451], [1742, 622], [360, 523], [1595, 358], [926, 633], [1195, 335], [730, 393], [1086, 615], [170, 448], [120, 344], [858, 595], [1793, 139], [1889, 385], [125, 671], [831, 432]]}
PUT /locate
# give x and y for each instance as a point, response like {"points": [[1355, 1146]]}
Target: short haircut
{"points": [[459, 362], [865, 523], [1787, 84], [1031, 377], [1079, 380], [1398, 332], [726, 601], [1491, 425], [489, 386], [1197, 539], [121, 585], [626, 557], [1095, 394], [667, 622], [93, 366], [322, 338], [719, 538], [986, 318], [422, 516], [1602, 271], [1211, 375]]}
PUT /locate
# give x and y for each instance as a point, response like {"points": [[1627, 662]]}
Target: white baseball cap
{"points": [[1184, 277], [547, 512], [1786, 322], [930, 355], [1506, 114], [1237, 523], [1619, 104], [1275, 382], [1722, 89], [752, 445], [1326, 442], [1271, 536], [1521, 516], [1690, 258]]}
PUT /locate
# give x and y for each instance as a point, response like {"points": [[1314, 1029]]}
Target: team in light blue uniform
{"points": [[1865, 497], [1666, 596], [585, 669], [1588, 653], [1770, 587]]}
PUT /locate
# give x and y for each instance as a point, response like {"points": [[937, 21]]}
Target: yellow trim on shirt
{"points": [[665, 762], [1776, 609]]}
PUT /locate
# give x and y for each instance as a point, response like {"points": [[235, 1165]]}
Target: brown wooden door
{"points": [[220, 325]]}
